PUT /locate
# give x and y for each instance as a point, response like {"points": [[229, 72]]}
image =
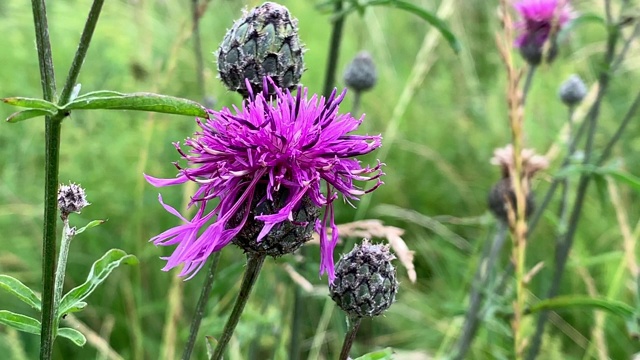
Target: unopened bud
{"points": [[572, 91], [361, 74]]}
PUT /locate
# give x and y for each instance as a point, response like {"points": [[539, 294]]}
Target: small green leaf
{"points": [[426, 15], [32, 103], [27, 114], [563, 302], [110, 100], [622, 176], [20, 290], [78, 306], [73, 335], [90, 225], [384, 354], [20, 322], [100, 93], [100, 270]]}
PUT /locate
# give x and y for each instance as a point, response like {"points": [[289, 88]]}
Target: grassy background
{"points": [[437, 148]]}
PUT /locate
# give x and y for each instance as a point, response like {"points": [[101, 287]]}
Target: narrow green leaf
{"points": [[384, 354], [426, 15], [100, 93], [73, 335], [90, 225], [565, 302], [75, 92], [100, 270], [32, 103], [21, 291], [601, 187], [27, 114], [20, 322], [623, 177], [138, 101]]}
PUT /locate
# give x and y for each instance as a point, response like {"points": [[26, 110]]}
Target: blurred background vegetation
{"points": [[437, 145]]}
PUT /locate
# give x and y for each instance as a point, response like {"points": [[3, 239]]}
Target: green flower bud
{"points": [[360, 74], [264, 42], [365, 283]]}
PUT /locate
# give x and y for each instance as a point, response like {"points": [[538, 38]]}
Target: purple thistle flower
{"points": [[288, 143], [538, 17]]}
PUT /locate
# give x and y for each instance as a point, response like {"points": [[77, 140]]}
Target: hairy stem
{"points": [[52, 150], [354, 325], [254, 265], [334, 49], [67, 235], [200, 307]]}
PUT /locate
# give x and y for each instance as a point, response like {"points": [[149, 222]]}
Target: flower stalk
{"points": [[254, 265], [200, 307], [353, 326], [334, 49], [67, 235]]}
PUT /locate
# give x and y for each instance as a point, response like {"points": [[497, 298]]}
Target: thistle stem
{"points": [[334, 49], [479, 284], [354, 325], [356, 103], [67, 235], [200, 307], [527, 83], [52, 149], [254, 265], [565, 241], [296, 324]]}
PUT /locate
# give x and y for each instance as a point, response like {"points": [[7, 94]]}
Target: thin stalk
{"points": [[81, 52], [472, 319], [52, 151], [197, 47], [200, 307], [527, 82], [566, 240], [254, 265], [618, 134], [296, 324], [564, 198], [67, 235], [356, 103], [334, 49], [354, 325]]}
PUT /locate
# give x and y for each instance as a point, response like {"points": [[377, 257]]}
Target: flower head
{"points": [[71, 199], [538, 19], [285, 144], [360, 74]]}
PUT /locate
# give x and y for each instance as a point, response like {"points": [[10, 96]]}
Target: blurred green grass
{"points": [[437, 164]]}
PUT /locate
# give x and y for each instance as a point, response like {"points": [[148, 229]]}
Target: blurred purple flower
{"points": [[287, 142], [538, 17]]}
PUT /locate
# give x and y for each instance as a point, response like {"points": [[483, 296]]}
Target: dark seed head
{"points": [[365, 283]]}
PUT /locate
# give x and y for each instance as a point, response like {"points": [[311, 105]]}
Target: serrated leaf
{"points": [[426, 15], [73, 335], [100, 270], [20, 322], [109, 100], [27, 114], [90, 225], [21, 291], [32, 103], [566, 302], [384, 354]]}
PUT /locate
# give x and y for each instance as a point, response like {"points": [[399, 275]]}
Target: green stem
{"points": [[197, 47], [356, 103], [52, 146], [334, 49], [296, 323], [200, 307], [623, 125], [67, 236], [527, 83], [254, 265], [562, 210], [81, 52], [565, 241], [354, 325], [479, 284]]}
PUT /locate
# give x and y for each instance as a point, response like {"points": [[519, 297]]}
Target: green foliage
{"points": [[437, 167], [384, 354], [21, 291]]}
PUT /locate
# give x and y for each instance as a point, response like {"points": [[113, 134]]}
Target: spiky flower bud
{"points": [[264, 42], [572, 91], [360, 74], [365, 283], [71, 199], [282, 239]]}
